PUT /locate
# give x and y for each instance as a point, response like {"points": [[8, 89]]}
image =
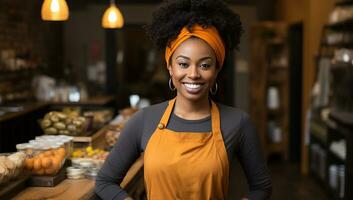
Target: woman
{"points": [[189, 141]]}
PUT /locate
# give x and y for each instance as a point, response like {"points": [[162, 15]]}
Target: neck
{"points": [[192, 110]]}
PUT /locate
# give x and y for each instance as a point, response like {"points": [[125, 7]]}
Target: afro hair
{"points": [[173, 15]]}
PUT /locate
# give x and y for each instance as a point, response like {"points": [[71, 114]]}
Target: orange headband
{"points": [[209, 35]]}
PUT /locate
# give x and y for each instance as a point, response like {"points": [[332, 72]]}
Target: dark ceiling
{"points": [[80, 3]]}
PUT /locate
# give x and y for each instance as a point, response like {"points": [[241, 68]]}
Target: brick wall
{"points": [[22, 29]]}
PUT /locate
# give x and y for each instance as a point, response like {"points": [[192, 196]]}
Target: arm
{"points": [[253, 163], [123, 155]]}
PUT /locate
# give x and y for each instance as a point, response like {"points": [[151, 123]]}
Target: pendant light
{"points": [[55, 10], [112, 17]]}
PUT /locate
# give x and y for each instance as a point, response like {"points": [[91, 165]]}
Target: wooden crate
{"points": [[96, 140]]}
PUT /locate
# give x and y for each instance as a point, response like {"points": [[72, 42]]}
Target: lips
{"points": [[193, 88]]}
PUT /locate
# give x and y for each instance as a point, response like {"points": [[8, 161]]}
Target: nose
{"points": [[194, 72]]}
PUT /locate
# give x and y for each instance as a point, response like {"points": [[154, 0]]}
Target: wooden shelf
{"points": [[345, 118], [346, 25], [276, 41], [27, 108], [275, 112], [275, 67], [338, 125], [341, 65], [336, 157], [265, 71], [275, 148], [314, 139], [345, 3], [347, 45], [319, 131]]}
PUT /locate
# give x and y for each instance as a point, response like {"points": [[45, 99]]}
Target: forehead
{"points": [[193, 48]]}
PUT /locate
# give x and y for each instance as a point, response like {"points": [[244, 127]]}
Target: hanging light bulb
{"points": [[112, 17], [55, 10]]}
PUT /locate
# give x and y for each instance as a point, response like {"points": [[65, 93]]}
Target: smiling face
{"points": [[193, 69]]}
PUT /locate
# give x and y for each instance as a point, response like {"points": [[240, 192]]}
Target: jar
{"points": [[33, 141], [92, 173], [41, 161], [273, 101], [67, 142], [39, 148], [75, 173], [27, 148], [59, 152], [86, 164]]}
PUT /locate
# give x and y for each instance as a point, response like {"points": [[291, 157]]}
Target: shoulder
{"points": [[232, 117], [156, 107], [154, 110], [151, 114], [232, 114]]}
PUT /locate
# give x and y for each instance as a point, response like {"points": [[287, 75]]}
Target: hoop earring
{"points": [[170, 85], [213, 92]]}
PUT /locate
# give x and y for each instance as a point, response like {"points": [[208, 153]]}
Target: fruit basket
{"points": [[59, 123]]}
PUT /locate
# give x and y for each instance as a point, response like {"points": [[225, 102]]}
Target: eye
{"points": [[183, 65], [205, 66]]}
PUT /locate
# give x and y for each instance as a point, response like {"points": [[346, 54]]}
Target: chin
{"points": [[193, 97]]}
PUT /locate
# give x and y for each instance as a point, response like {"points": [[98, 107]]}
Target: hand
{"points": [[128, 198], [244, 198]]}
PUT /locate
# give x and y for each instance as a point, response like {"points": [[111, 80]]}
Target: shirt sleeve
{"points": [[124, 153], [252, 161]]}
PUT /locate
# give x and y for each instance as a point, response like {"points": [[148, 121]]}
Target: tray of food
{"points": [[12, 176]]}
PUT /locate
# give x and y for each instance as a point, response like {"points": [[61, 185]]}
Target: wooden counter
{"points": [[68, 189], [83, 189], [75, 189]]}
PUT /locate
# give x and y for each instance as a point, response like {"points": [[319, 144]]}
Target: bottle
{"points": [[333, 176], [341, 181]]}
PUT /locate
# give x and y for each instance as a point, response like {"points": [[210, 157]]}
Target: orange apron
{"points": [[187, 166]]}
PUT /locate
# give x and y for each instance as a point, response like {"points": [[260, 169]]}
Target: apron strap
{"points": [[216, 121], [165, 118], [215, 117]]}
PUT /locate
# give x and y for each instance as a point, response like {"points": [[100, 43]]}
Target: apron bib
{"points": [[184, 165]]}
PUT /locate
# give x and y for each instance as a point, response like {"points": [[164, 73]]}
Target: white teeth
{"points": [[192, 86]]}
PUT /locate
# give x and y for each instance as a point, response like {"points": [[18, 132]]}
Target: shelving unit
{"points": [[344, 3], [269, 78], [331, 136], [16, 85]]}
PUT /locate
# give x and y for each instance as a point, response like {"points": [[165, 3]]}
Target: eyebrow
{"points": [[185, 57]]}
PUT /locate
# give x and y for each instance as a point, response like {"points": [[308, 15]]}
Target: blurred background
{"points": [[292, 73]]}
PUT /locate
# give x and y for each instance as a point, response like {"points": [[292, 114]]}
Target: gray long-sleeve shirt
{"points": [[238, 135]]}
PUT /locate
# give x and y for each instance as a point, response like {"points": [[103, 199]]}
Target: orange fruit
{"points": [[61, 151], [41, 155], [46, 162], [37, 164], [53, 152], [56, 162], [48, 153], [29, 163]]}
